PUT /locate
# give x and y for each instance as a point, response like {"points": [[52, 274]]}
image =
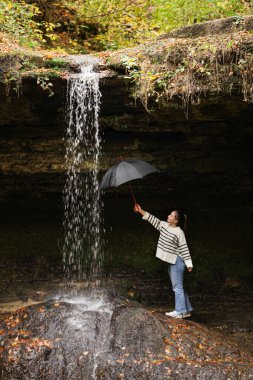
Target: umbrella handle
{"points": [[130, 187], [132, 193]]}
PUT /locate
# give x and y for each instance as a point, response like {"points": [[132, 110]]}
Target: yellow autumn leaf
{"points": [[16, 343]]}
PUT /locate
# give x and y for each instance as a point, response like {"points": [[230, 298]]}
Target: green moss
{"points": [[56, 63]]}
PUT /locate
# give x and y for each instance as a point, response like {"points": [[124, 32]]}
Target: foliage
{"points": [[45, 84], [160, 70], [173, 14], [186, 68], [88, 25], [121, 22], [17, 19]]}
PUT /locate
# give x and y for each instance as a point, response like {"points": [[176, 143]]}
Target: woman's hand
{"points": [[138, 209], [189, 269]]}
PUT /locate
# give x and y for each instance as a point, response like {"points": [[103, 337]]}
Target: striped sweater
{"points": [[171, 243]]}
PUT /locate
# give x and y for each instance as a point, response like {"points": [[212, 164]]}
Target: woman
{"points": [[172, 248]]}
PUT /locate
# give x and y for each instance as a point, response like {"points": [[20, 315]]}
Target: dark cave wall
{"points": [[208, 151], [205, 168]]}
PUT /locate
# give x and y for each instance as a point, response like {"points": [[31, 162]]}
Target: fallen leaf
{"points": [[24, 333]]}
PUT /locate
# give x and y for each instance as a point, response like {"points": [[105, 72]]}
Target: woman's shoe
{"points": [[174, 314], [187, 314]]}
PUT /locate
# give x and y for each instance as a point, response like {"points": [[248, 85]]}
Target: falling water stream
{"points": [[82, 250], [82, 253]]}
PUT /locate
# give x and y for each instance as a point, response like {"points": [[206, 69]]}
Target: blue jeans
{"points": [[176, 273]]}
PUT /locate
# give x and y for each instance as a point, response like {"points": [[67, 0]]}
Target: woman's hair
{"points": [[182, 219]]}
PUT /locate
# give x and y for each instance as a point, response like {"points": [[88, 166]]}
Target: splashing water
{"points": [[82, 253]]}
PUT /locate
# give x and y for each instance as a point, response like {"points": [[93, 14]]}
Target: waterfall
{"points": [[82, 253]]}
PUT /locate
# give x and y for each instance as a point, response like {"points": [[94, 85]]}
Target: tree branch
{"points": [[115, 10]]}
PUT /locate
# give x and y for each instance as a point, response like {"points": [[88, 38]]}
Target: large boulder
{"points": [[95, 338]]}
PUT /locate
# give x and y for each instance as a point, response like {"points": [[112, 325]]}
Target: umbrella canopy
{"points": [[125, 171]]}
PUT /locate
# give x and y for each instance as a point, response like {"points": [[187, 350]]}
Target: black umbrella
{"points": [[125, 171]]}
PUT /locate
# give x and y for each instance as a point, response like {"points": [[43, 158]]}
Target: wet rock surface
{"points": [[103, 338]]}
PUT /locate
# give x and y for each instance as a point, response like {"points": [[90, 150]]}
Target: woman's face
{"points": [[172, 218]]}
